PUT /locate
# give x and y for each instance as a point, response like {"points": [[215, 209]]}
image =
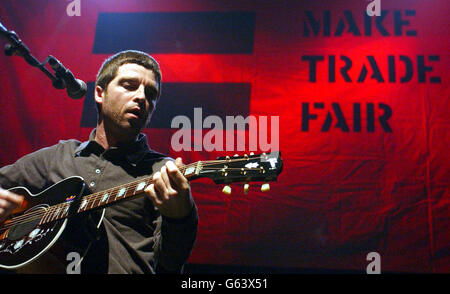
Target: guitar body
{"points": [[28, 242]]}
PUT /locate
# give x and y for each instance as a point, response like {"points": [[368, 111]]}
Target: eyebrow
{"points": [[128, 78], [153, 87], [133, 79]]}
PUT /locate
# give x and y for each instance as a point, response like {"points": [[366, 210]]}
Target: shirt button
{"points": [[92, 184], [97, 171]]}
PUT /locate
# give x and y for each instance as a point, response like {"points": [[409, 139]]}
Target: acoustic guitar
{"points": [[37, 225]]}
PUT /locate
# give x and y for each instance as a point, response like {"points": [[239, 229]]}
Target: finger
{"points": [[179, 162], [3, 203], [7, 204], [178, 180], [151, 193], [6, 208], [160, 186], [2, 215], [11, 197], [167, 181]]}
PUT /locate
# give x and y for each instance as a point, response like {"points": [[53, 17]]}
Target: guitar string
{"points": [[96, 196], [50, 211], [55, 207]]}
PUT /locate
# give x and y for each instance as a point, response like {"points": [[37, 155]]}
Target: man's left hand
{"points": [[170, 191]]}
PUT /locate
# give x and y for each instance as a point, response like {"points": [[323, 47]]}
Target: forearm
{"points": [[175, 243]]}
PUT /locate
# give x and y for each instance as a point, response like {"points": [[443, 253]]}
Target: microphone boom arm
{"points": [[15, 46]]}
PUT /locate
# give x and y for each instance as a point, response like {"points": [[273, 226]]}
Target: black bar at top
{"points": [[176, 32]]}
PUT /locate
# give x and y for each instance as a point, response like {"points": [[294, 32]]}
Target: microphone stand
{"points": [[15, 46]]}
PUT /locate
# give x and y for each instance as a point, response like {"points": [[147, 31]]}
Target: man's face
{"points": [[130, 97]]}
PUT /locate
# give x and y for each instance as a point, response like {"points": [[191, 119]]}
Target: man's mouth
{"points": [[135, 112]]}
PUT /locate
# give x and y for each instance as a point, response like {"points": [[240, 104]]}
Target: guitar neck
{"points": [[107, 197], [263, 167]]}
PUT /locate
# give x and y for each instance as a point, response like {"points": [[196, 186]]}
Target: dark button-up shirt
{"points": [[134, 237]]}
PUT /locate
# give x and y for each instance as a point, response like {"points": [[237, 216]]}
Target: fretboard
{"points": [[107, 197]]}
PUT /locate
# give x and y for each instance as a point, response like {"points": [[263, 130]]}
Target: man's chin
{"points": [[135, 125]]}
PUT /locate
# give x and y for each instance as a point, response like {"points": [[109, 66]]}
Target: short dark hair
{"points": [[108, 70]]}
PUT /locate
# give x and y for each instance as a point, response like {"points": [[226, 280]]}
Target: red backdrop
{"points": [[366, 161]]}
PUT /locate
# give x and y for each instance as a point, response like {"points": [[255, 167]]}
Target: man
{"points": [[151, 234]]}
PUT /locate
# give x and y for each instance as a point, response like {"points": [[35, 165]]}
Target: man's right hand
{"points": [[8, 202]]}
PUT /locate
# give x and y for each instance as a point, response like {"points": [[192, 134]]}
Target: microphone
{"points": [[64, 78], [75, 88]]}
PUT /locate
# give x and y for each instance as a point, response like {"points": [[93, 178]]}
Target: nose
{"points": [[140, 95]]}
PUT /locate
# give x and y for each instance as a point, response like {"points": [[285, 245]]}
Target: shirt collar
{"points": [[133, 152]]}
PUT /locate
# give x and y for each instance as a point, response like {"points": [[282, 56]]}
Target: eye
{"points": [[129, 85], [151, 93]]}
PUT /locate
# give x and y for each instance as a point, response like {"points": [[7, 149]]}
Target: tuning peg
{"points": [[226, 190], [236, 155], [246, 187], [251, 153], [265, 187]]}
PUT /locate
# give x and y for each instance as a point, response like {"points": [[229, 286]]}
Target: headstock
{"points": [[248, 168]]}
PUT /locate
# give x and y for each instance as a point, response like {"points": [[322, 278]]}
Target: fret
{"points": [[55, 214], [42, 218], [83, 204], [140, 187], [105, 198], [92, 198], [50, 216], [99, 199], [46, 215], [66, 210], [121, 192], [211, 169]]}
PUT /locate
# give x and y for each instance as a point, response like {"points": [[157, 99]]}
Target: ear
{"points": [[99, 94]]}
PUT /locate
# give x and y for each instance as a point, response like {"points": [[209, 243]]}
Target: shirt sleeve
{"points": [[30, 171], [174, 241]]}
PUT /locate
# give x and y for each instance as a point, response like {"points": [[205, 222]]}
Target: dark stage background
{"points": [[363, 107]]}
